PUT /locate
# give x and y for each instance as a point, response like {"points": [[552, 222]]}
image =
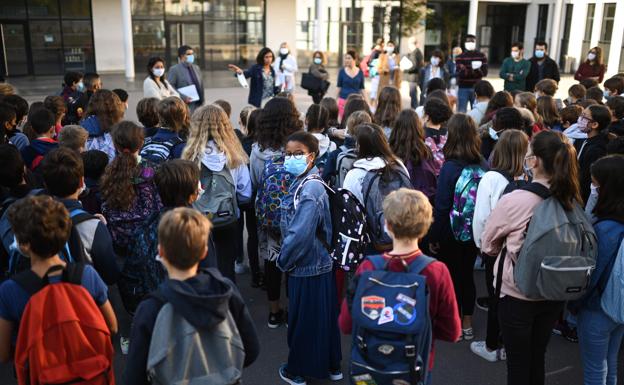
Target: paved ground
{"points": [[455, 364]]}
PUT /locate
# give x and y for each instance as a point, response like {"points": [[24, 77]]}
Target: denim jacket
{"points": [[302, 253]]}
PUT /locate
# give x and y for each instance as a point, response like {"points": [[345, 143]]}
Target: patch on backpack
{"points": [[385, 349], [372, 306], [364, 379], [404, 314], [387, 315]]}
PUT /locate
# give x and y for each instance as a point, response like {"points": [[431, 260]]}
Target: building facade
{"points": [[49, 37]]}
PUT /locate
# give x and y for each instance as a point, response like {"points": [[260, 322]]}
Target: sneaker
{"points": [[480, 349], [571, 335], [124, 344], [290, 378], [467, 334], [276, 319], [257, 281], [483, 303], [564, 330], [240, 268], [502, 354], [336, 375]]}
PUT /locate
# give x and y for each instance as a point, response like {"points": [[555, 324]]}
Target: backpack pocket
{"points": [[564, 277]]}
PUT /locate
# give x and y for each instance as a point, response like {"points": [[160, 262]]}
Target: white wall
{"points": [[107, 35], [281, 26]]}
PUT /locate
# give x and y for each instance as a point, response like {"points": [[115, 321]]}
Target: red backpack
{"points": [[63, 337]]}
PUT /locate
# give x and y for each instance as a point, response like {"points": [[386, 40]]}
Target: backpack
{"points": [[349, 230], [558, 253], [436, 145], [464, 199], [141, 273], [377, 184], [321, 161], [612, 297], [344, 164], [159, 151], [514, 184], [392, 330], [218, 201], [63, 337], [181, 354], [424, 177], [275, 187], [73, 251]]}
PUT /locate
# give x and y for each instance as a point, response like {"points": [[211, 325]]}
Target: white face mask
{"points": [[158, 72], [591, 56], [471, 45], [515, 54], [390, 50], [435, 61], [284, 51]]}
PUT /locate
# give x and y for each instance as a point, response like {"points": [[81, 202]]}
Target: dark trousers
{"points": [[248, 218], [492, 338], [413, 92], [272, 280], [526, 327], [460, 257], [226, 240], [317, 96]]}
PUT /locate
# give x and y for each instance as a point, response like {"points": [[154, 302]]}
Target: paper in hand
{"points": [[405, 64], [189, 91], [242, 80]]}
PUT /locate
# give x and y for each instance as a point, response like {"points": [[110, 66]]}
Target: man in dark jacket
{"points": [[471, 66], [542, 67], [412, 74]]}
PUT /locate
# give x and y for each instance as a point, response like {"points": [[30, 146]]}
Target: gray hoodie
{"points": [[256, 163]]}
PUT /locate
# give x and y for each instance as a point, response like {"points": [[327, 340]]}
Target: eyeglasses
{"points": [[297, 155], [529, 157], [584, 117]]}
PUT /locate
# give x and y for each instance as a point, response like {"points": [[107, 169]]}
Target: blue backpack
{"points": [[391, 325], [275, 188]]}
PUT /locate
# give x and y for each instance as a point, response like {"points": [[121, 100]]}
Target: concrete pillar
{"points": [[616, 43], [555, 34], [319, 13], [597, 26], [530, 28], [472, 17], [107, 36], [280, 24], [126, 22], [575, 44]]}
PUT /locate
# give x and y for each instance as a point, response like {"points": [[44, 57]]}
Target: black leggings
{"points": [[226, 240], [460, 259], [493, 337], [248, 218], [272, 280]]}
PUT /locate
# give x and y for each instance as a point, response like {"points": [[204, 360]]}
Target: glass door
{"points": [[13, 44], [183, 33]]}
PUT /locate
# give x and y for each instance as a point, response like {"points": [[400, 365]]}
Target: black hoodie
{"points": [[203, 301]]}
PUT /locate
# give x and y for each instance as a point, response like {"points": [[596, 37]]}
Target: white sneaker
{"points": [[124, 344], [240, 268], [479, 348], [467, 334]]}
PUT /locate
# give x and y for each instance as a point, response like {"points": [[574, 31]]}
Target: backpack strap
{"points": [[537, 189], [505, 174], [378, 261], [79, 216], [73, 273], [319, 231], [370, 184], [29, 281], [420, 263]]}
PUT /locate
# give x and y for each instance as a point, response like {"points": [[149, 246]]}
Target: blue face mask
{"points": [[190, 59], [539, 53], [317, 60], [606, 94], [80, 86], [493, 134], [295, 166]]}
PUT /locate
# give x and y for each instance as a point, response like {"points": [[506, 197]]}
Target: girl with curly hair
{"points": [[213, 146], [104, 111]]}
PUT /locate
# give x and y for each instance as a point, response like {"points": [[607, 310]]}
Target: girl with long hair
{"points": [[155, 84], [462, 149], [592, 68], [350, 80], [104, 111], [213, 146], [388, 108], [526, 324], [547, 109]]}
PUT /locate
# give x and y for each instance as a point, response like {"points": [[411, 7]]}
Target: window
{"points": [[147, 7], [12, 9], [43, 9], [607, 22], [589, 21], [566, 34], [542, 22]]}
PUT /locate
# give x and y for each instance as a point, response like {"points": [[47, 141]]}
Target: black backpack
{"points": [[514, 184], [349, 230]]}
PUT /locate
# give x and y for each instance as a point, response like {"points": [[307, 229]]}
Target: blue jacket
{"points": [[609, 233], [92, 125], [255, 87], [302, 253]]}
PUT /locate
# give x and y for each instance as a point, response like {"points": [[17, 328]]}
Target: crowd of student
{"points": [[347, 203]]}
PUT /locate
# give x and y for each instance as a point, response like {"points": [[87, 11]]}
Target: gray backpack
{"points": [[218, 200], [559, 251], [344, 163], [181, 354]]}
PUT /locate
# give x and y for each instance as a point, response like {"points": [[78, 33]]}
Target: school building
{"points": [[49, 37]]}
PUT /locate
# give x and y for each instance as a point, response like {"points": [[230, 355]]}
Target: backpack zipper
{"points": [[374, 280], [582, 268]]}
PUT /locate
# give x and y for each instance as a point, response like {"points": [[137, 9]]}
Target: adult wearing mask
{"points": [[185, 74], [285, 67], [263, 84], [592, 68], [412, 74], [317, 69], [433, 70], [155, 84], [471, 66], [515, 69], [388, 67], [542, 67]]}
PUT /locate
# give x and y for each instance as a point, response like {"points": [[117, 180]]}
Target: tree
{"points": [[413, 14]]}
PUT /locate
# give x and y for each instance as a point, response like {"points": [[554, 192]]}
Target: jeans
{"points": [[464, 95], [413, 92], [599, 339], [526, 327]]}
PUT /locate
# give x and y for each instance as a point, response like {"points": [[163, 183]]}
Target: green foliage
{"points": [[413, 14]]}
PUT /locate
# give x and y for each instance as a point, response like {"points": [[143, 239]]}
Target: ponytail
{"points": [[559, 162], [117, 182]]}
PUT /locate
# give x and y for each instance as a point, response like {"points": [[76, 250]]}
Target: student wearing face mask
{"points": [[542, 67], [317, 69], [594, 121], [155, 84], [435, 69], [593, 67], [285, 66], [471, 66], [515, 69], [313, 335], [187, 73]]}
